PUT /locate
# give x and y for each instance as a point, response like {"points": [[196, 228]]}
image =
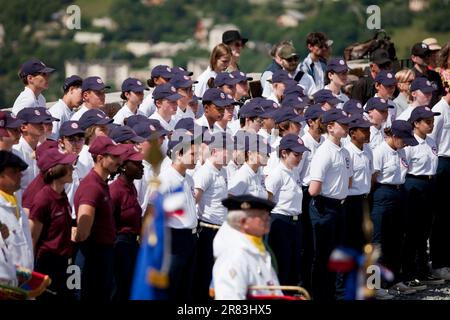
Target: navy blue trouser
{"points": [[420, 209], [285, 238], [353, 235], [126, 248], [388, 224], [55, 266], [440, 235], [307, 242], [97, 271], [325, 214], [182, 264], [204, 264]]}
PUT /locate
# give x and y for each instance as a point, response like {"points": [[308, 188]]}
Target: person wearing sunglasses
{"points": [[234, 40]]}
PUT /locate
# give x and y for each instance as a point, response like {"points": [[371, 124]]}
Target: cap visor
{"points": [[410, 141], [40, 119], [138, 139], [299, 149], [174, 97], [104, 121], [15, 124], [117, 150], [47, 70], [224, 103], [428, 90], [345, 120]]}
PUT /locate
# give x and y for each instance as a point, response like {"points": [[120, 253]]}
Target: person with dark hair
{"points": [[183, 84], [64, 108], [236, 42], [315, 64], [160, 74], [93, 92], [51, 222], [132, 94], [336, 78], [34, 75], [443, 65], [128, 220], [96, 231]]}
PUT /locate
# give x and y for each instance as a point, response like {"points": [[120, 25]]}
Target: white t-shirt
{"points": [[362, 162], [60, 111], [390, 164], [287, 194], [148, 106], [124, 113], [247, 181], [213, 183], [441, 130], [27, 99], [27, 154], [331, 165], [77, 115], [85, 162], [423, 158], [312, 145]]}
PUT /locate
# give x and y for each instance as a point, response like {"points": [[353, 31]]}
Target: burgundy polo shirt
{"points": [[33, 188], [127, 211], [94, 191], [53, 211]]}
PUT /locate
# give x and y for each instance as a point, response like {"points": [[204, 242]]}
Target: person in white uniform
{"points": [[34, 75], [421, 92], [280, 80], [390, 168], [326, 99], [377, 112], [132, 94], [385, 84], [211, 187], [330, 173], [336, 78], [242, 260], [285, 236], [93, 91], [63, 109], [160, 74], [183, 84]]}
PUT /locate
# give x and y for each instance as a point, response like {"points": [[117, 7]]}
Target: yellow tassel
{"points": [[158, 279]]}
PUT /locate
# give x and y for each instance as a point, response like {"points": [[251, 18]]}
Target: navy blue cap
{"points": [[422, 112], [35, 66], [255, 142], [294, 88], [251, 109], [182, 81], [33, 115], [241, 76], [162, 71], [70, 128], [149, 129], [422, 84], [265, 104], [12, 122], [294, 101], [188, 124], [247, 202], [3, 131], [404, 130], [314, 112], [335, 115], [225, 78], [292, 142], [220, 140], [124, 133], [135, 119], [337, 65], [166, 91], [93, 117], [182, 71], [10, 160], [50, 118], [93, 83], [326, 96], [287, 114], [377, 103], [71, 81], [283, 76], [180, 138], [386, 78], [357, 121], [353, 106], [218, 98], [133, 85]]}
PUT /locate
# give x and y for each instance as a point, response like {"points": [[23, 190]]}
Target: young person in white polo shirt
{"points": [[377, 113], [133, 94], [285, 236], [421, 92], [93, 91], [330, 178]]}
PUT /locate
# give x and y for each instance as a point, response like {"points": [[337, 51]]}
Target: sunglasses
{"points": [[292, 59]]}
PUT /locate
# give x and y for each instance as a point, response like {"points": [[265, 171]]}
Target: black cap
{"points": [[292, 142], [133, 85], [72, 81], [10, 160], [420, 49], [422, 112], [246, 202], [121, 134], [93, 117], [70, 128], [232, 35], [35, 66], [404, 130], [380, 57], [93, 83]]}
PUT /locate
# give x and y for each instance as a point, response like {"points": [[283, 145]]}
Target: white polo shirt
{"points": [[213, 183], [170, 181], [232, 168], [142, 186], [169, 126], [391, 164], [376, 137], [274, 159], [27, 99], [124, 113], [406, 114], [77, 115], [85, 162], [27, 154], [71, 188], [341, 96], [441, 130], [331, 165], [60, 111], [423, 158], [148, 106], [312, 145], [287, 194], [362, 161], [247, 181], [203, 122]]}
